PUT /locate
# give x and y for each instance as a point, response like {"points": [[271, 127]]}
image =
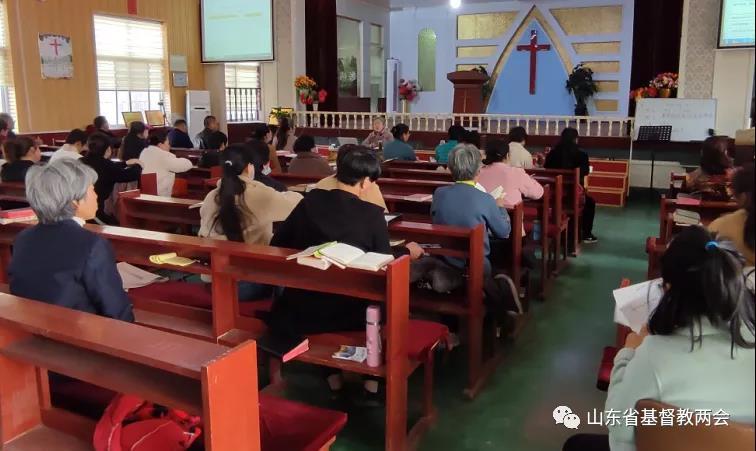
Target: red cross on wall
{"points": [[131, 6], [533, 48], [55, 44]]}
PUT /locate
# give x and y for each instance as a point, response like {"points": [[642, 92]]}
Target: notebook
{"points": [[314, 262], [419, 197], [170, 258], [344, 255], [17, 215], [134, 277], [285, 347], [686, 217], [687, 199], [498, 192]]}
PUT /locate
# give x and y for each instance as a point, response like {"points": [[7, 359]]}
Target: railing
{"points": [[242, 104], [595, 126]]}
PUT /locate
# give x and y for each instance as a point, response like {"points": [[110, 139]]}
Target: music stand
{"points": [[654, 134]]}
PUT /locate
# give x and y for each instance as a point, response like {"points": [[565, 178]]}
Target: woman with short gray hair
{"points": [[58, 261]]}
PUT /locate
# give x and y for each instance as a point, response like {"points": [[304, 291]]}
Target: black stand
{"points": [[654, 134]]}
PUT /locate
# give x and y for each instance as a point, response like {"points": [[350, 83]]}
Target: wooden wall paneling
{"points": [[46, 105]]}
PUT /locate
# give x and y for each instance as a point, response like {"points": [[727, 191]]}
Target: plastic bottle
{"points": [[373, 333]]}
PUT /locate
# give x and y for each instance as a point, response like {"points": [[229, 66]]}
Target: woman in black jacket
{"points": [[567, 155], [108, 172], [134, 142]]}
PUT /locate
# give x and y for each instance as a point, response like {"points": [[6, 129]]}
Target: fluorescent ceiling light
{"points": [[455, 3]]}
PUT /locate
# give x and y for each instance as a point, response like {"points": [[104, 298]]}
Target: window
{"points": [[377, 61], [348, 54], [7, 94], [243, 102], [130, 66], [426, 59]]}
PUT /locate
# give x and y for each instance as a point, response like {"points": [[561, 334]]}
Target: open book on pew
{"points": [[419, 197], [635, 303], [133, 277], [342, 255], [686, 217], [17, 215]]}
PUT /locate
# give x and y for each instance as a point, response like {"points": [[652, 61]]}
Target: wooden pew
{"points": [[417, 174], [191, 154], [571, 193], [418, 164], [230, 262], [555, 229], [206, 379], [12, 195]]}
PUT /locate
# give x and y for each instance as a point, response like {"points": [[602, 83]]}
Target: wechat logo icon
{"points": [[563, 415]]}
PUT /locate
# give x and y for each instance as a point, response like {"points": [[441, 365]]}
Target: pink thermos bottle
{"points": [[373, 332]]}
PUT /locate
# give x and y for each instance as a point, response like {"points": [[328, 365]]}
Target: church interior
{"points": [[289, 225]]}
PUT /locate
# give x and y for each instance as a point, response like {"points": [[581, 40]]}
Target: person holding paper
{"points": [[244, 210], [697, 351], [514, 181], [58, 261]]}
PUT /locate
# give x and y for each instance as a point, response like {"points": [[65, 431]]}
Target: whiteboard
{"points": [[690, 119]]}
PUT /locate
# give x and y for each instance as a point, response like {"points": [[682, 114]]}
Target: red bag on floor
{"points": [[133, 424]]}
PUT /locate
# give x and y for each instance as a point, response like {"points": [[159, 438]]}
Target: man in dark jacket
{"points": [[211, 126], [178, 137]]}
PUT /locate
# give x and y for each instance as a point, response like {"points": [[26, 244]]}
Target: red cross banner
{"points": [[56, 56]]}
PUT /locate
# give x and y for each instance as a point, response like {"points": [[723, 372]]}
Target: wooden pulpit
{"points": [[468, 90]]}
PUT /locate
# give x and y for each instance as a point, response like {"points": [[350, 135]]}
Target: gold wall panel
{"points": [[470, 66], [606, 104], [608, 86], [603, 66], [607, 48], [478, 51], [589, 20], [426, 59], [484, 26]]}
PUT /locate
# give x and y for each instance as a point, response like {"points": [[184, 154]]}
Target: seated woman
{"points": [[20, 155], [514, 180], [158, 159], [242, 209], [262, 132], [58, 261], [262, 165], [567, 155], [715, 164], [740, 226], [463, 204], [701, 330], [379, 136], [335, 215], [134, 142], [109, 172], [308, 161], [284, 139], [398, 149]]}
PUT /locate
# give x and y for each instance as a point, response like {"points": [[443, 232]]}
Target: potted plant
{"points": [[408, 91], [580, 83], [665, 82], [487, 88]]}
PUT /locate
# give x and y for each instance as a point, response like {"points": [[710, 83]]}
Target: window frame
{"points": [[242, 115]]}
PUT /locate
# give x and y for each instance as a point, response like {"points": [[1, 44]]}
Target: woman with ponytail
{"points": [[740, 226], [697, 351], [242, 209]]}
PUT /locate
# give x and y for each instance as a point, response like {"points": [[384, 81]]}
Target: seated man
{"points": [[216, 142], [372, 194], [179, 136], [456, 134], [58, 261], [308, 161]]}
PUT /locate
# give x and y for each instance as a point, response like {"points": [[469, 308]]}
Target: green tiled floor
{"points": [[553, 362]]}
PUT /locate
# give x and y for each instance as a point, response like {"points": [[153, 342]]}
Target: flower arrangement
{"points": [[665, 80], [644, 92], [322, 95], [408, 89], [307, 89]]}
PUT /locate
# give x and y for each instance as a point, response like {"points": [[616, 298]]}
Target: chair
{"points": [[733, 437]]}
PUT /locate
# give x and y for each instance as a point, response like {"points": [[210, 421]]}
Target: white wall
{"points": [[277, 77], [367, 14], [733, 89]]}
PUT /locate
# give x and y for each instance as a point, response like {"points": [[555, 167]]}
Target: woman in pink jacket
{"points": [[515, 182]]}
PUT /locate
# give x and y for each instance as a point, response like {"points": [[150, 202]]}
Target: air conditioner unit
{"points": [[197, 109]]}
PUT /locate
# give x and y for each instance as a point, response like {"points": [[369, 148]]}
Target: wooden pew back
{"points": [[206, 379]]}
